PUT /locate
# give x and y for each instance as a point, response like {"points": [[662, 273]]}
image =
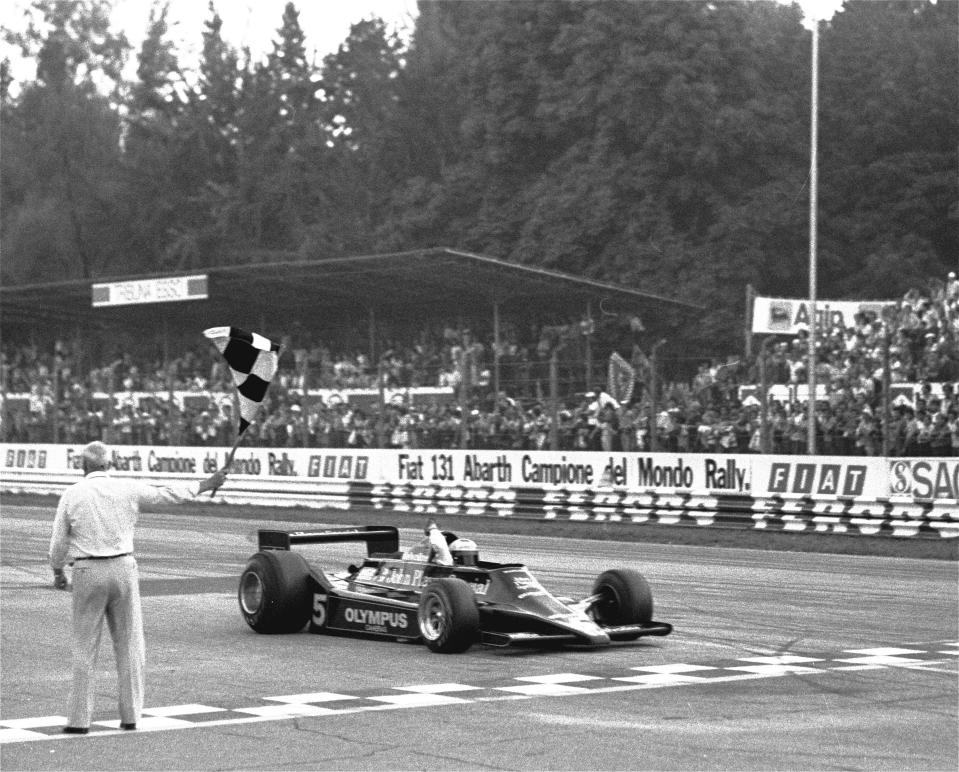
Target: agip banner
{"points": [[786, 316]]}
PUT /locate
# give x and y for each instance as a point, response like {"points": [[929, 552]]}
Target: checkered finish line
{"points": [[937, 658]]}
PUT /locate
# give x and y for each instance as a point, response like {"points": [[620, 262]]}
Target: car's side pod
{"points": [[378, 538]]}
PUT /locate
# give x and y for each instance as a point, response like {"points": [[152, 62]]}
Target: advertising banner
{"points": [[147, 461], [486, 468], [489, 480], [573, 470], [785, 316], [816, 476], [925, 479]]}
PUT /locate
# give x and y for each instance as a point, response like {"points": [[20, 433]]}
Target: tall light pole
{"points": [[813, 209], [814, 12]]}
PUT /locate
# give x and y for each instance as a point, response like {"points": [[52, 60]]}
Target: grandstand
{"points": [[339, 320], [442, 349]]}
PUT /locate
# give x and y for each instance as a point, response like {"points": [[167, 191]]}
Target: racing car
{"points": [[406, 596]]}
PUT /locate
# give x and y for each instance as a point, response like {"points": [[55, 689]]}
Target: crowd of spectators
{"points": [[66, 392]]}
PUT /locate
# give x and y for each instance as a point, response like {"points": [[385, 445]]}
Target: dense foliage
{"points": [[662, 145]]}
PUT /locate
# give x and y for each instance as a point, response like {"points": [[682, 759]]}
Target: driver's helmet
{"points": [[464, 552]]}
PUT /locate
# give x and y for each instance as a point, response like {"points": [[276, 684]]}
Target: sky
{"points": [[253, 23]]}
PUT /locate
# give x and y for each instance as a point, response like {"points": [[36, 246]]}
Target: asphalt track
{"points": [[779, 660]]}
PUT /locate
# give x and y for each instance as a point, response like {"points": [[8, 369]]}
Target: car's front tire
{"points": [[448, 617], [625, 598], [274, 593]]}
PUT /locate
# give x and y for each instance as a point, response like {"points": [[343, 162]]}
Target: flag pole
{"points": [[229, 457], [237, 417], [229, 460], [239, 434]]}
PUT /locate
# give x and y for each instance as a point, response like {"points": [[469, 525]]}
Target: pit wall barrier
{"points": [[916, 497]]}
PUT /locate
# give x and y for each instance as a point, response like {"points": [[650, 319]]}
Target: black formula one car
{"points": [[448, 607]]}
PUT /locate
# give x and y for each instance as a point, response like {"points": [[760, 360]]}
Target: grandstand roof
{"points": [[407, 284]]}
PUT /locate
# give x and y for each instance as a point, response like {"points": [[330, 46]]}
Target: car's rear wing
{"points": [[378, 538]]}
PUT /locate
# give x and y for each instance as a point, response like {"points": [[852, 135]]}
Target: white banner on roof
{"points": [[162, 290]]}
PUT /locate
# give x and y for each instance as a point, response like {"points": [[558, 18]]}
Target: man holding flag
{"points": [[93, 531]]}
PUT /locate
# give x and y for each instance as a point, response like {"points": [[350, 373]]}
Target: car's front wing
{"points": [[617, 633]]}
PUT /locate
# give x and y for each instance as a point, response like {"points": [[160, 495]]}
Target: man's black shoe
{"points": [[76, 730], [128, 726]]}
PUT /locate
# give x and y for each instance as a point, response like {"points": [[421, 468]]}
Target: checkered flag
{"points": [[252, 360]]}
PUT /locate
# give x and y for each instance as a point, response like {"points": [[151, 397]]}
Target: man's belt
{"points": [[103, 557]]}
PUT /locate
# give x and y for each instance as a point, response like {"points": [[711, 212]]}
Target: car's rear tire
{"points": [[625, 598], [274, 593], [448, 617]]}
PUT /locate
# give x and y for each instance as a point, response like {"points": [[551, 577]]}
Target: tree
{"points": [[657, 144], [248, 126], [443, 118], [62, 148], [202, 230], [665, 145], [278, 132], [889, 139], [160, 86], [155, 149], [73, 45], [359, 168]]}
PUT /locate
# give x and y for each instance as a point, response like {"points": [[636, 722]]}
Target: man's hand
{"points": [[214, 481], [59, 579]]}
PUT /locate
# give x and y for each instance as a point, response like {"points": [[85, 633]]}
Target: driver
{"points": [[465, 552]]}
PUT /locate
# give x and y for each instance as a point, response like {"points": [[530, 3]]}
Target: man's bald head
{"points": [[96, 457]]}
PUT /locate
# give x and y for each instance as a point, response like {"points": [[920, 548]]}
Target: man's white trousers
{"points": [[107, 590]]}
